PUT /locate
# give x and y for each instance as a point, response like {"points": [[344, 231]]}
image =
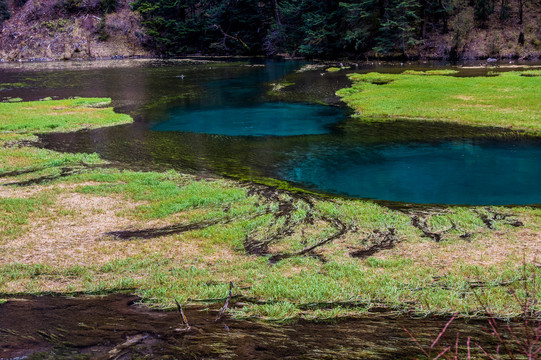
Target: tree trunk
{"points": [[277, 13]]}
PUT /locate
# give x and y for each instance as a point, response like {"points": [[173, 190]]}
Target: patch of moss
{"points": [[5, 86], [431, 72]]}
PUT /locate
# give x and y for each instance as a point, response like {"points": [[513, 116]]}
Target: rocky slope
{"points": [[93, 29], [71, 29]]}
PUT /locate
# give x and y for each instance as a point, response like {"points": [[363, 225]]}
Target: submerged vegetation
{"points": [[69, 223], [508, 100]]}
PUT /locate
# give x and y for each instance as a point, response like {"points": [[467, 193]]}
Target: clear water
{"points": [[236, 106], [219, 118], [452, 172], [266, 119]]}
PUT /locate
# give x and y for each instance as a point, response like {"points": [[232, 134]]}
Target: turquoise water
{"points": [[275, 119], [453, 172], [235, 105]]}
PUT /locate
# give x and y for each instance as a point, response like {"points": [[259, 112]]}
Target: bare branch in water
{"points": [[226, 305], [183, 318]]}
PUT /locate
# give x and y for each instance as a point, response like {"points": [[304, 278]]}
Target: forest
{"points": [[330, 29], [323, 29]]}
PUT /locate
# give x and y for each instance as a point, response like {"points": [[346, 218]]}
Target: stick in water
{"points": [[183, 318], [226, 305]]}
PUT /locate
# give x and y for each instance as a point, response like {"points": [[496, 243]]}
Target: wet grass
{"points": [[289, 254], [508, 100]]}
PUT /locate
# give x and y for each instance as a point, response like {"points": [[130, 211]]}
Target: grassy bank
{"points": [[507, 100], [20, 121], [69, 225]]}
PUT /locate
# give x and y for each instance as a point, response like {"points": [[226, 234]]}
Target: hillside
{"points": [[70, 29], [497, 34]]}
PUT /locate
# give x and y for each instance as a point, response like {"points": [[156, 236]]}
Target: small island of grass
{"points": [[508, 100]]}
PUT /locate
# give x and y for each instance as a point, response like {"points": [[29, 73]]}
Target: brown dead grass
{"points": [[73, 232], [464, 97], [20, 192]]}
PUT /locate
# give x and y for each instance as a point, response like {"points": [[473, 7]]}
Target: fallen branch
{"points": [[342, 229], [119, 350], [383, 240], [183, 318], [422, 225], [226, 305]]}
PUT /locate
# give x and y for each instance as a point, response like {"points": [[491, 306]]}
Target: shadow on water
{"points": [[115, 327]]}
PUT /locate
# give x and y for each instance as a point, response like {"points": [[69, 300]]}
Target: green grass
{"points": [[509, 100], [58, 115], [531, 73], [302, 286], [162, 192], [20, 121], [15, 214]]}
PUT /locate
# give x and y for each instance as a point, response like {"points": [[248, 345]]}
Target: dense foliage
{"points": [[315, 28]]}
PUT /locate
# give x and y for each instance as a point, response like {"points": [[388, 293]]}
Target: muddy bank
{"points": [[115, 326]]}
